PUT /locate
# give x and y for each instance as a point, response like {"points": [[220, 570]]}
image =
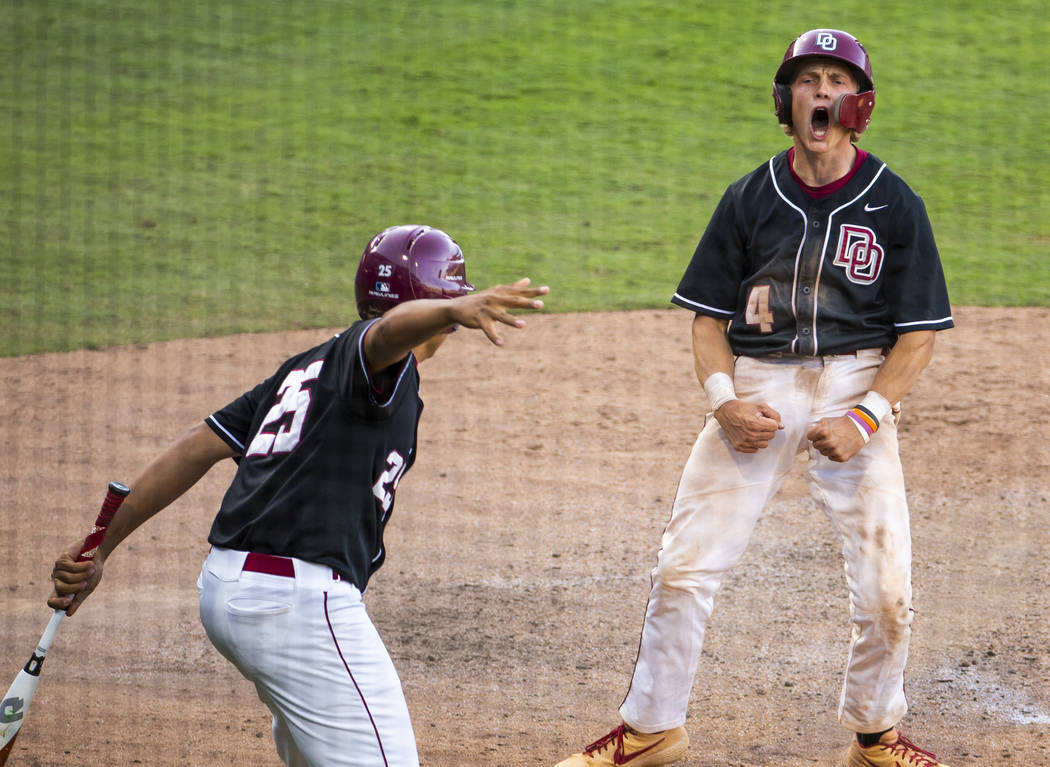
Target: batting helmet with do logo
{"points": [[852, 110]]}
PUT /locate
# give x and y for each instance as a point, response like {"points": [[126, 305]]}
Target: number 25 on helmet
{"points": [[403, 263]]}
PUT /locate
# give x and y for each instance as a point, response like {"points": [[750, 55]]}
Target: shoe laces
{"points": [[921, 757], [619, 754], [616, 734]]}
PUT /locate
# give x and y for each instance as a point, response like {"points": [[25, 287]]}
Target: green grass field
{"points": [[174, 169]]}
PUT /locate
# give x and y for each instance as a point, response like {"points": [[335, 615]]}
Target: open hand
{"points": [[486, 308]]}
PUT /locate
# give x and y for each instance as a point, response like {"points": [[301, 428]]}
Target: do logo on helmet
{"points": [[827, 41]]}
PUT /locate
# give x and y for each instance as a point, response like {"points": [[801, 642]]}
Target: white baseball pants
{"points": [[720, 497], [317, 662]]}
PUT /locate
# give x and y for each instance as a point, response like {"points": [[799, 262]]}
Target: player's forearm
{"points": [[166, 478], [713, 360], [903, 365], [711, 351], [405, 327]]}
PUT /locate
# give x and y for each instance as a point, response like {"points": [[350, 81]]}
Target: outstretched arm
{"points": [[167, 477], [412, 323]]}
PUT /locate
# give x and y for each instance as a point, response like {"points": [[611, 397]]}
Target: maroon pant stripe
{"points": [[350, 673]]}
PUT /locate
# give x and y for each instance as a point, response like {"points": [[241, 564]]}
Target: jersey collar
{"points": [[817, 192]]}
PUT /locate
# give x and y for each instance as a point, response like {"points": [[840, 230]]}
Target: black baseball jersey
{"points": [[798, 275], [322, 446]]}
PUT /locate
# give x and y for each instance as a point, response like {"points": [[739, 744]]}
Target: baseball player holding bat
{"points": [[321, 447], [818, 290], [15, 703]]}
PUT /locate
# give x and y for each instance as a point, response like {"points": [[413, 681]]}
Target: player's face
{"points": [[816, 89]]}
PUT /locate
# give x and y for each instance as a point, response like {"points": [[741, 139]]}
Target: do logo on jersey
{"points": [[859, 254]]}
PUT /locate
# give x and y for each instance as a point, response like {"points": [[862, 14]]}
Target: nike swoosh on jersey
{"points": [[868, 208]]}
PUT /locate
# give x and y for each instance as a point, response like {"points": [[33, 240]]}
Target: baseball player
{"points": [[321, 447], [818, 290]]}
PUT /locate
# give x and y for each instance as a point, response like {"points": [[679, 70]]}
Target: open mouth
{"points": [[820, 122]]}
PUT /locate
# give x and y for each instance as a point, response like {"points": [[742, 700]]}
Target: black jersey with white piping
{"points": [[322, 445], [803, 276]]}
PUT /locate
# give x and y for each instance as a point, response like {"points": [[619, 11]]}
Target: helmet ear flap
{"points": [[782, 101], [853, 110]]}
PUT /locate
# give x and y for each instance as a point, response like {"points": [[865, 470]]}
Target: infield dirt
{"points": [[520, 548]]}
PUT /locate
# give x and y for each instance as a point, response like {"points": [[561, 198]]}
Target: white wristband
{"points": [[719, 390], [877, 404]]}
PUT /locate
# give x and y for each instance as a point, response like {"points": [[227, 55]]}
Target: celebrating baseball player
{"points": [[321, 447], [818, 290]]}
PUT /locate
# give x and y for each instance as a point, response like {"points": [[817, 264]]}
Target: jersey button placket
{"points": [[809, 268]]}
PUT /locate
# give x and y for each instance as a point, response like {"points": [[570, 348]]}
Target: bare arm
{"points": [[413, 323], [711, 350], [838, 438], [166, 478], [903, 365], [749, 426]]}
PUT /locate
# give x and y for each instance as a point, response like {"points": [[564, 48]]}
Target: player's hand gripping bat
{"points": [[16, 702]]}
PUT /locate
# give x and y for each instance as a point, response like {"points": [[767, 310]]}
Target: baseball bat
{"points": [[16, 702]]}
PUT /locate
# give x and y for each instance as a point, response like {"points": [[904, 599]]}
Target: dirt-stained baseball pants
{"points": [[720, 497], [317, 662]]}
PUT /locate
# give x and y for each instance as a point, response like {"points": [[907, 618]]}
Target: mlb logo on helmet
{"points": [[827, 41], [382, 287]]}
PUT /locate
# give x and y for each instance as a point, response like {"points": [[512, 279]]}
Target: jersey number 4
{"points": [[294, 399], [758, 311]]}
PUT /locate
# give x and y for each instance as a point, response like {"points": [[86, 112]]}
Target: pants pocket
{"points": [[247, 607]]}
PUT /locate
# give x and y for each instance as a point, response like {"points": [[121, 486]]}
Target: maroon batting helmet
{"points": [[403, 263], [852, 110]]}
